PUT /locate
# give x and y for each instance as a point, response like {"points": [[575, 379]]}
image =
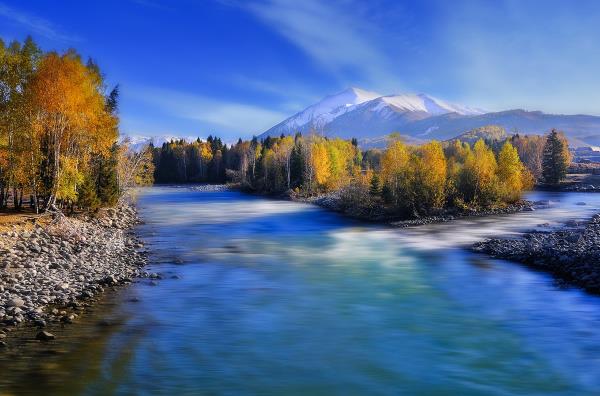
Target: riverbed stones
{"points": [[333, 201], [44, 336], [45, 270], [571, 254], [15, 302]]}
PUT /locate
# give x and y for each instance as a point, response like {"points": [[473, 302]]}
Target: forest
{"points": [[408, 180], [59, 132]]}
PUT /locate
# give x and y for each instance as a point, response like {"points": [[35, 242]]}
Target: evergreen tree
{"points": [[375, 188], [108, 183], [87, 197], [387, 194], [556, 158]]}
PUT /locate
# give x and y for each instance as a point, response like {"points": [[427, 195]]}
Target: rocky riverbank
{"points": [[333, 201], [53, 269], [572, 255]]}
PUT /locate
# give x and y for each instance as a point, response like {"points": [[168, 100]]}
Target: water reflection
{"points": [[284, 298]]}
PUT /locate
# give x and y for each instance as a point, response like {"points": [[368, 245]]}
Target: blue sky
{"points": [[235, 68]]}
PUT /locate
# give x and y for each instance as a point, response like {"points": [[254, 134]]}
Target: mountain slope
{"points": [[368, 117], [323, 112], [138, 142]]}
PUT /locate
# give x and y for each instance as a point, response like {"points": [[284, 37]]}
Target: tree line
{"points": [[199, 161], [406, 180], [58, 131]]}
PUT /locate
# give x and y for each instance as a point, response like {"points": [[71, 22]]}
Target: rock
{"points": [[109, 280], [44, 336], [40, 323], [16, 302]]}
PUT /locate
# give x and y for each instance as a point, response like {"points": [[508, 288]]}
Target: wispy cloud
{"points": [[229, 115], [504, 59], [152, 4], [292, 96], [36, 25], [332, 34]]}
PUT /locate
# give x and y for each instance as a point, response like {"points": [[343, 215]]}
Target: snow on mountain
{"points": [[372, 105], [138, 142], [369, 116], [423, 103], [326, 110]]}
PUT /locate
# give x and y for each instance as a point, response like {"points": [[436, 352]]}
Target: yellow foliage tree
{"points": [[429, 167], [320, 162], [479, 180], [510, 173], [69, 110]]}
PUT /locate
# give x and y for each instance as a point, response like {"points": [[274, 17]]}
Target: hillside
{"points": [[370, 117]]}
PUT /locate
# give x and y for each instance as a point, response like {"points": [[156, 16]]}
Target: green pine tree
{"points": [[375, 188], [108, 182], [556, 158], [86, 196], [387, 194]]}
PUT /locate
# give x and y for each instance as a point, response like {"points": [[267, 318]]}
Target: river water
{"points": [[263, 297]]}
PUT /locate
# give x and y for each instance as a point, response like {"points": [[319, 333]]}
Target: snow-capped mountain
{"points": [[371, 105], [369, 117], [328, 109], [138, 142], [421, 103]]}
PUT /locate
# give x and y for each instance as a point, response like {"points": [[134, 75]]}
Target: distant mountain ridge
{"points": [[369, 117], [488, 133], [138, 142]]}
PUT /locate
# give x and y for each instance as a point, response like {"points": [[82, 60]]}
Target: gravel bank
{"points": [[332, 201], [48, 273], [572, 255]]}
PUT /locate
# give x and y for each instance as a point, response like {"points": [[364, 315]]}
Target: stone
{"points": [[44, 336], [16, 302]]}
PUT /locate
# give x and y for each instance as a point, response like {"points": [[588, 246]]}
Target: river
{"points": [[265, 297]]}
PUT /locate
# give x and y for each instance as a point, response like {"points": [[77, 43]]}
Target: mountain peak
{"points": [[355, 112], [359, 92]]}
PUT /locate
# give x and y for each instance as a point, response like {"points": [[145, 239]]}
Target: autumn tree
{"points": [[531, 152], [477, 180], [511, 173], [69, 113], [429, 182], [320, 162], [394, 169]]}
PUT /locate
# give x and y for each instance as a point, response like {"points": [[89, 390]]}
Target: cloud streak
{"points": [[536, 55], [228, 115], [332, 35], [35, 24]]}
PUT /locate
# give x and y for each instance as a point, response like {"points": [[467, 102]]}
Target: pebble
{"points": [[44, 336], [44, 271], [571, 254]]}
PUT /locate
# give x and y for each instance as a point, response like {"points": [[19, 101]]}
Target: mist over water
{"points": [[280, 298]]}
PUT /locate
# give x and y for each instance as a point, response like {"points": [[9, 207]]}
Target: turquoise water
{"points": [[263, 297]]}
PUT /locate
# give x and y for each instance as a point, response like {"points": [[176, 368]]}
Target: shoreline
{"points": [[571, 255], [50, 272], [332, 202]]}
